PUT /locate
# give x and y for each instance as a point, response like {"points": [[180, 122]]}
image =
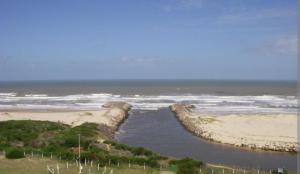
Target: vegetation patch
{"points": [[187, 166], [207, 120], [14, 154], [56, 139]]}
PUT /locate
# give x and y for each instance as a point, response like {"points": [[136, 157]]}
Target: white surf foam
{"points": [[207, 103], [11, 94]]}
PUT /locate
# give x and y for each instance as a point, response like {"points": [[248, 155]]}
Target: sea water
{"points": [[205, 95]]}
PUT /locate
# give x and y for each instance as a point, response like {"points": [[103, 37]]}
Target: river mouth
{"points": [[161, 132]]}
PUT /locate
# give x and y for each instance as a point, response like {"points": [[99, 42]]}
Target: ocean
{"points": [[206, 95]]}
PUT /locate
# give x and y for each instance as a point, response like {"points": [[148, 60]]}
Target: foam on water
{"points": [[206, 103], [8, 94]]}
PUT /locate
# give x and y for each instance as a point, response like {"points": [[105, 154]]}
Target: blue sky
{"points": [[148, 39]]}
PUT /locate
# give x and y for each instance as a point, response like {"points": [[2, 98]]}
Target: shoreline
{"points": [[109, 117], [220, 129]]}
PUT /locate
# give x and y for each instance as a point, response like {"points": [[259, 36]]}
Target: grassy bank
{"points": [[39, 166], [49, 140], [57, 139]]}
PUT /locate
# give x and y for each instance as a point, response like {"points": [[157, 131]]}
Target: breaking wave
{"points": [[204, 103]]}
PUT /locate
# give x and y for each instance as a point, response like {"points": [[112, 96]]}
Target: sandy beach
{"points": [[111, 114], [276, 132]]}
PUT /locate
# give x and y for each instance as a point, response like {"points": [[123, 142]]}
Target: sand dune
{"points": [[111, 114]]}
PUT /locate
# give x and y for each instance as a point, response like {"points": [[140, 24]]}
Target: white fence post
{"points": [[57, 167]]}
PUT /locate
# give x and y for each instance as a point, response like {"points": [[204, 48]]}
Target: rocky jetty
{"points": [[183, 114], [117, 112]]}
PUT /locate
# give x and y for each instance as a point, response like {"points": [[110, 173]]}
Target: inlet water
{"points": [[161, 132]]}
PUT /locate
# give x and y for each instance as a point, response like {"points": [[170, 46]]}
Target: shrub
{"points": [[14, 154], [186, 166], [86, 129], [141, 151], [122, 147], [71, 142], [66, 155]]}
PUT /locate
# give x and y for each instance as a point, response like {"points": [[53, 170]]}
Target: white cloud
{"points": [[255, 15], [281, 46]]}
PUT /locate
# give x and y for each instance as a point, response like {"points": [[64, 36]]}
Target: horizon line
{"points": [[152, 79]]}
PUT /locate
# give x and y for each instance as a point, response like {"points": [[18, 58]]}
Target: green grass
{"points": [[42, 134], [39, 166]]}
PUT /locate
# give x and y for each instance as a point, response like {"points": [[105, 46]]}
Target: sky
{"points": [[148, 39]]}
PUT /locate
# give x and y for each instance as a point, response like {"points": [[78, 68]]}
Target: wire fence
{"points": [[87, 166]]}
